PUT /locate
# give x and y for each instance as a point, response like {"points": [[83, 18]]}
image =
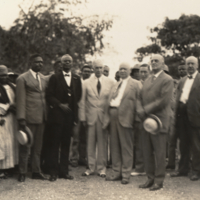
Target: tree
{"points": [[175, 39], [52, 30]]}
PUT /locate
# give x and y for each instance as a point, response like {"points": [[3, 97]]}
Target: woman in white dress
{"points": [[8, 125]]}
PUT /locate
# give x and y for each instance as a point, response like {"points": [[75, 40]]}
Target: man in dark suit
{"points": [[188, 120], [31, 111], [155, 99], [63, 94]]}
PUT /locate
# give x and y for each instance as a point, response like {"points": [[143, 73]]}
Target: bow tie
{"points": [[67, 75], [190, 77]]}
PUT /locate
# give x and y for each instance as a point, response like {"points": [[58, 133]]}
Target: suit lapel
{"points": [[126, 91], [102, 86], [195, 83], [43, 82], [63, 82], [33, 80], [94, 85]]}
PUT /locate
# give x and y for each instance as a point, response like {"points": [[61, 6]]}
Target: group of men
{"points": [[94, 108]]}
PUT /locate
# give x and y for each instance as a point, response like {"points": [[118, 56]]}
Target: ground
{"points": [[94, 188]]}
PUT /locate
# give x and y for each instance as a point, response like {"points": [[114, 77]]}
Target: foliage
{"points": [[52, 30]]}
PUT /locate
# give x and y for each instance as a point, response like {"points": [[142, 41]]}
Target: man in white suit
{"points": [[96, 91]]}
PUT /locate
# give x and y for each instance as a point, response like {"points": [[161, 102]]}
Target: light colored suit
{"points": [[122, 121], [92, 110], [156, 99], [31, 106]]}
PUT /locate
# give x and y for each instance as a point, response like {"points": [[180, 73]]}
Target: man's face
{"points": [[98, 70], [144, 73], [135, 74], [67, 63], [106, 71], [157, 64], [4, 79], [191, 67], [37, 64], [182, 70], [117, 77], [124, 72], [86, 73]]}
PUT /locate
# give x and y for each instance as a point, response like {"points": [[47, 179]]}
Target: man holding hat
{"points": [[188, 120], [63, 94], [155, 98], [121, 114], [31, 112], [96, 91]]}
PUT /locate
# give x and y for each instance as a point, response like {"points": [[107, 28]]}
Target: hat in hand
{"points": [[152, 124], [25, 137]]}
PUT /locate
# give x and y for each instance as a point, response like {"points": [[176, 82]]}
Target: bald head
{"points": [[191, 65], [124, 70], [98, 67], [157, 63], [67, 62]]}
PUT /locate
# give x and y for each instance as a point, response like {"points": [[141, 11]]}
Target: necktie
{"points": [[37, 78], [98, 86], [67, 75], [115, 94], [190, 76]]}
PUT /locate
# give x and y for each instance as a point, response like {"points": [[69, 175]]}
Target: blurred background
{"points": [[114, 30]]}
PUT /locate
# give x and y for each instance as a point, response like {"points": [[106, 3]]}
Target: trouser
{"points": [[121, 147], [79, 144], [24, 151], [139, 161], [189, 141], [154, 149], [60, 144], [96, 137]]}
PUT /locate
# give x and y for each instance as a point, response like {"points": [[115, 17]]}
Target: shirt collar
{"points": [[100, 78], [69, 73], [193, 75], [33, 73], [158, 73], [126, 79]]}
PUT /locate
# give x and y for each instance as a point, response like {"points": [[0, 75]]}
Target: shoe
{"points": [[124, 182], [156, 187], [53, 178], [170, 167], [178, 174], [102, 175], [148, 184], [114, 178], [39, 176], [66, 176], [21, 177], [87, 173], [194, 177], [138, 174]]}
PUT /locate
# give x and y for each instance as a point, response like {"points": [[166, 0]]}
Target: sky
{"points": [[132, 20]]}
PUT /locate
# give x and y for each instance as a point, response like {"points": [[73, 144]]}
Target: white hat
{"points": [[25, 137], [152, 124]]}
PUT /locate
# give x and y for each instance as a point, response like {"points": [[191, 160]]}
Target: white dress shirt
{"points": [[116, 102], [35, 77], [68, 78], [157, 74], [187, 88]]}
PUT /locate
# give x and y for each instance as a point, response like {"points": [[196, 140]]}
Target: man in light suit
{"points": [[121, 113], [31, 112], [96, 91], [187, 115], [155, 98]]}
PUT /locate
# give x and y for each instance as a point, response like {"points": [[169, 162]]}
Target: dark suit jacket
{"points": [[30, 100], [193, 103], [156, 98], [56, 94]]}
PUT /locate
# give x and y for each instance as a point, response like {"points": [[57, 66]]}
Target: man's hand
{"points": [[22, 124], [141, 113], [65, 107], [12, 109], [2, 111]]}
